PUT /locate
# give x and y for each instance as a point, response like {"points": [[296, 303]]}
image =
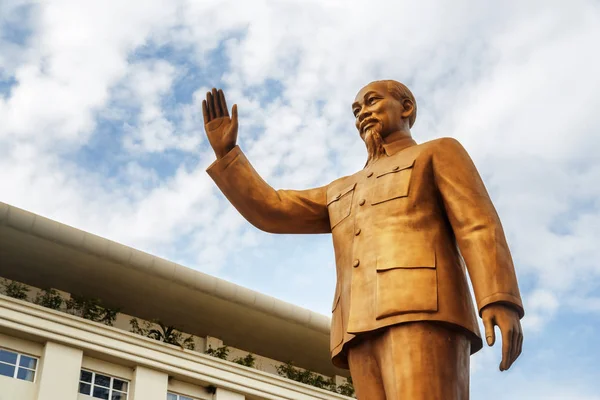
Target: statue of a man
{"points": [[404, 228]]}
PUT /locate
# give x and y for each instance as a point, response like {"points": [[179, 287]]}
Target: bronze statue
{"points": [[404, 227]]}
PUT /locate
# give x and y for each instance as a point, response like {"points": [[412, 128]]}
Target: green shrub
{"points": [[347, 389], [92, 309], [49, 298], [220, 352], [163, 333], [15, 289], [247, 361], [310, 378]]}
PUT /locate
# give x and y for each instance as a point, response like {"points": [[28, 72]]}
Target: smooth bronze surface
{"points": [[403, 228], [403, 360]]}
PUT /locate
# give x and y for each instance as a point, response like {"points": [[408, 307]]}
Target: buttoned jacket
{"points": [[404, 229]]}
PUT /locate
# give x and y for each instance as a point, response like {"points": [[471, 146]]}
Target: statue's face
{"points": [[375, 108]]}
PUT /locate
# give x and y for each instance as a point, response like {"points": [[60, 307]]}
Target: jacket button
{"points": [[362, 202], [357, 232], [356, 263], [370, 174]]}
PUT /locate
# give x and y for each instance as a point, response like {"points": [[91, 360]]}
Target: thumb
{"points": [[234, 114], [233, 128], [490, 335]]}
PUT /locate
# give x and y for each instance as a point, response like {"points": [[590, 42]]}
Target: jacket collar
{"points": [[397, 145]]}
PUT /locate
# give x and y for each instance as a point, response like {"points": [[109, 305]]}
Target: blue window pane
{"points": [[171, 396], [102, 380], [100, 393], [7, 370], [120, 385], [85, 388], [27, 362], [118, 396], [185, 398], [25, 374], [85, 376], [8, 357]]}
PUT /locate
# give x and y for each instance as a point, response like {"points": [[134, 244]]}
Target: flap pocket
{"points": [[406, 282], [406, 290], [408, 259], [397, 168], [392, 183], [340, 204], [338, 195]]}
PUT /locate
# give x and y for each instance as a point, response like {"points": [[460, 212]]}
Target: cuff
{"points": [[222, 163], [505, 298]]}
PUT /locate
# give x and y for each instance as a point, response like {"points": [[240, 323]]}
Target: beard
{"points": [[374, 143]]}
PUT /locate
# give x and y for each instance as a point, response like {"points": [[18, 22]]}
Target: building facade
{"points": [[229, 343]]}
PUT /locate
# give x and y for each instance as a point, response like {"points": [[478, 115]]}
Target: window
{"points": [[173, 396], [16, 365], [102, 386]]}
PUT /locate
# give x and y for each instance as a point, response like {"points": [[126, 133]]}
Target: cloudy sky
{"points": [[101, 128]]}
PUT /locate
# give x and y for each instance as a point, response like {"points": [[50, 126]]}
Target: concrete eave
{"points": [[45, 253], [130, 350]]}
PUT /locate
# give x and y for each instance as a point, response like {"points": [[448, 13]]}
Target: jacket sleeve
{"points": [[476, 226], [274, 211]]}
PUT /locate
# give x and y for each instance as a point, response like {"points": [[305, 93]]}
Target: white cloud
{"points": [[72, 61], [541, 306], [147, 84]]}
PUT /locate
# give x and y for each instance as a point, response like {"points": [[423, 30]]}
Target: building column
{"points": [[223, 394], [149, 384], [59, 372]]}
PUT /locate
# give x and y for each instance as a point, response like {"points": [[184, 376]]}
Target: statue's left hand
{"points": [[507, 319]]}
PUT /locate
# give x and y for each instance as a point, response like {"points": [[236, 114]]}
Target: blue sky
{"points": [[101, 128]]}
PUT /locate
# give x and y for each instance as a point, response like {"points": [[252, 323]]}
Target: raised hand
{"points": [[220, 128], [507, 319]]}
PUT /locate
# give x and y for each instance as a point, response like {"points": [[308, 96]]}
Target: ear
{"points": [[409, 108]]}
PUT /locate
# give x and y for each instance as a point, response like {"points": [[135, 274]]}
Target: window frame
{"points": [[18, 366], [93, 384], [179, 396]]}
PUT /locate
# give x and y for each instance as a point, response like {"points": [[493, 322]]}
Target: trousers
{"points": [[411, 361]]}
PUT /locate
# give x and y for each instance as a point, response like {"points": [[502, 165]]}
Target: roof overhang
{"points": [[47, 254]]}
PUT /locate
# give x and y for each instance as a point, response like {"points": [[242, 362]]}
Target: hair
{"points": [[400, 92]]}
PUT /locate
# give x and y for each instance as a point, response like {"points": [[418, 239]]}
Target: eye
{"points": [[355, 112], [372, 100]]}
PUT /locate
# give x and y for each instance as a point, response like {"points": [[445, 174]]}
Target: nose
{"points": [[362, 114]]}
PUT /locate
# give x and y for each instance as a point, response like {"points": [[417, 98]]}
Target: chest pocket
{"points": [[340, 204], [392, 183]]}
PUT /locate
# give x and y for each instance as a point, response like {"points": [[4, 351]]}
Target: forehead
{"points": [[377, 87]]}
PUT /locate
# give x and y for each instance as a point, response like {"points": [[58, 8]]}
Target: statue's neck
{"points": [[403, 135]]}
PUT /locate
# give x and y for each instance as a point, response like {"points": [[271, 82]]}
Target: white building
{"points": [[48, 354]]}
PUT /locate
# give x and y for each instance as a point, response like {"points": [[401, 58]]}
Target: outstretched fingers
{"points": [[211, 107], [217, 103], [223, 103], [215, 106], [205, 112]]}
